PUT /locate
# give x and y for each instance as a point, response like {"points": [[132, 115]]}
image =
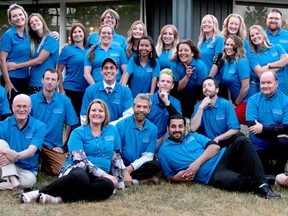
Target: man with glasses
{"points": [[117, 97], [275, 33], [21, 138]]}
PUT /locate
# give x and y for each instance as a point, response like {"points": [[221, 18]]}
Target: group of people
{"points": [[125, 104]]}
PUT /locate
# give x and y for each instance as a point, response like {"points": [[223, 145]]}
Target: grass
{"points": [[164, 199]]}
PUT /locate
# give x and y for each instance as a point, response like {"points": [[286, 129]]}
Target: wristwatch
{"points": [[269, 65]]}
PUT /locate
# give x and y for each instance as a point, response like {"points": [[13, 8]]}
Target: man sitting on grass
{"points": [[198, 158]]}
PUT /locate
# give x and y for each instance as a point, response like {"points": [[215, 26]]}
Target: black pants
{"points": [[240, 168], [147, 170], [76, 99], [278, 151], [78, 185]]}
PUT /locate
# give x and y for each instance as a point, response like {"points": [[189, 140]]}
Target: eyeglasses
{"points": [[110, 17], [111, 68], [18, 106]]}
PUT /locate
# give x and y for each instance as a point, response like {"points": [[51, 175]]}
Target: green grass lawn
{"points": [[163, 199]]}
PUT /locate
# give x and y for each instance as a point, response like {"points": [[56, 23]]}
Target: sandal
{"points": [[44, 198], [28, 199], [17, 191]]}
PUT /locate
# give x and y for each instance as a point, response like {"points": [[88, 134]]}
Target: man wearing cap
{"points": [[117, 97]]}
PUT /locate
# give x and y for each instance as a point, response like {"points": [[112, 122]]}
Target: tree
{"points": [[255, 15]]}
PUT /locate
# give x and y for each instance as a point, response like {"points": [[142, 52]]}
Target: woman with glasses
{"points": [[100, 51], [111, 18]]}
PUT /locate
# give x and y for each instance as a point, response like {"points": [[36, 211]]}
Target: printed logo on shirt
{"points": [[146, 140], [231, 70], [116, 101], [220, 117], [277, 112], [191, 138], [275, 53], [114, 54], [109, 138], [28, 135], [283, 41], [57, 110], [210, 46], [149, 70]]}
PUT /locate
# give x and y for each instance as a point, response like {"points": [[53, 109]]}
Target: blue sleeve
{"points": [[4, 104], [219, 45], [39, 135], [153, 140], [64, 56], [86, 59], [123, 57], [280, 49], [175, 71], [86, 101], [167, 169], [6, 42], [247, 48], [201, 139], [76, 140], [251, 109], [232, 122], [70, 114], [128, 102], [117, 140], [156, 70], [254, 61], [202, 72], [130, 66], [51, 45], [243, 68]]}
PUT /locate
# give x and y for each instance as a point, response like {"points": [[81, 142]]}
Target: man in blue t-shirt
{"points": [[198, 158], [53, 109], [275, 33], [21, 138], [215, 116], [138, 143], [267, 117]]}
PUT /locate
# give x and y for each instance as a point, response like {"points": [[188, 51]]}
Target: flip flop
{"points": [[28, 199], [45, 200]]}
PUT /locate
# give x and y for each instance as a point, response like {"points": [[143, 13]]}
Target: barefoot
{"points": [[282, 180]]}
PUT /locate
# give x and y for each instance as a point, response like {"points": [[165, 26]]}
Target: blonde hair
{"points": [[130, 39], [35, 40], [104, 107], [167, 71], [266, 43], [242, 32], [14, 7], [113, 13], [160, 45], [216, 30]]}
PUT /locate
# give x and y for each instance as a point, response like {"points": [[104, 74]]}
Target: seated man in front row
{"points": [[138, 144], [198, 158], [215, 115], [267, 120], [21, 138]]}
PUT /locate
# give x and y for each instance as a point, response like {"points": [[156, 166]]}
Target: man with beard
{"points": [[275, 33], [214, 116], [163, 105], [195, 157], [138, 144], [53, 109]]}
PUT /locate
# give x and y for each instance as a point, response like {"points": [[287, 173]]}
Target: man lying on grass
{"points": [[198, 158]]}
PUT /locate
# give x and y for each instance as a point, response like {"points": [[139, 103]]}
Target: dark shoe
{"points": [[152, 180], [266, 192], [270, 179]]}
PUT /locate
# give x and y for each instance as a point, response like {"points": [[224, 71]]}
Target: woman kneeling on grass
{"points": [[85, 175]]}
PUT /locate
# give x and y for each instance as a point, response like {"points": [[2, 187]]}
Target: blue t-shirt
{"points": [[135, 141], [164, 59], [118, 40], [53, 114], [141, 77], [20, 139], [174, 157], [218, 119], [114, 52], [118, 101], [50, 45], [233, 73], [266, 111], [18, 49], [209, 49], [99, 150], [159, 115], [199, 73], [4, 104], [281, 38], [271, 55], [73, 58]]}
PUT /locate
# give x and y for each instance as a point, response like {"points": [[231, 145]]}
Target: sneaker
{"points": [[266, 192], [17, 191]]}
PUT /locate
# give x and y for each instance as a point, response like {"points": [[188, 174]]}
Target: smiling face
{"points": [[274, 21], [141, 109], [145, 47], [229, 47], [165, 83], [168, 37], [21, 107], [106, 35], [17, 17], [110, 20], [109, 72], [96, 114], [268, 84], [256, 37], [209, 89], [138, 31], [233, 25], [78, 35], [35, 23], [185, 53], [207, 24], [176, 130]]}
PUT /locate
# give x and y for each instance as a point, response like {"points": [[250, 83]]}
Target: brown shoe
{"points": [[152, 180], [17, 191]]}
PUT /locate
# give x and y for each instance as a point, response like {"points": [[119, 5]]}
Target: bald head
{"points": [[22, 98], [268, 83], [21, 107]]}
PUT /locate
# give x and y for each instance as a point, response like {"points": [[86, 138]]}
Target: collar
{"points": [[14, 122], [106, 85]]}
